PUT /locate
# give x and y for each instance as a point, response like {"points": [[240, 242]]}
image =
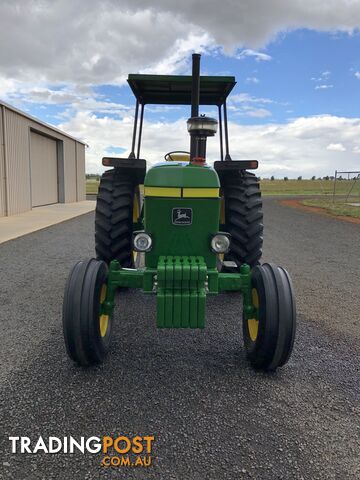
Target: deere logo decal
{"points": [[181, 216]]}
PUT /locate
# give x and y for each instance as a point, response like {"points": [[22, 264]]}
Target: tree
{"points": [[313, 177], [272, 178], [286, 179], [299, 177]]}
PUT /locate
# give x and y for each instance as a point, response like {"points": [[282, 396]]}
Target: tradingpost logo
{"points": [[116, 451]]}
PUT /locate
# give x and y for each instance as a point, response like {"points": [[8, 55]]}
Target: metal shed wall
{"points": [[70, 171], [80, 166], [71, 162], [17, 163], [2, 167]]}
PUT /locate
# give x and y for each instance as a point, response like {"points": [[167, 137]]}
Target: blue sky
{"points": [[295, 106], [309, 73]]}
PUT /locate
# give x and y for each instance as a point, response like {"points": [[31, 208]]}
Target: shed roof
{"points": [[176, 89], [34, 119]]}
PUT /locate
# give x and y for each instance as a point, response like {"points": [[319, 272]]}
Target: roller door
{"points": [[43, 170]]}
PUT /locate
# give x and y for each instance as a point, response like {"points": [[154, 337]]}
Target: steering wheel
{"points": [[168, 156]]}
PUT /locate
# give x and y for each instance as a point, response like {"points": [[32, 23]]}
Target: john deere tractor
{"points": [[181, 230]]}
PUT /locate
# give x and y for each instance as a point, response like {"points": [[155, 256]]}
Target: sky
{"points": [[295, 106]]}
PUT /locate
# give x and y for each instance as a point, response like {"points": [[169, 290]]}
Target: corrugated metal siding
{"points": [[80, 167], [70, 170], [18, 169], [2, 168], [43, 170], [18, 163]]}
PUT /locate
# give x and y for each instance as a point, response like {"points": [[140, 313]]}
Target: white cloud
{"points": [[323, 87], [249, 106], [252, 80], [296, 148], [357, 75], [336, 147], [96, 42], [324, 76], [259, 56], [246, 98], [258, 112], [55, 52]]}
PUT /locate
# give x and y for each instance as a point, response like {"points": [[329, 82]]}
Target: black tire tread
{"points": [[113, 218], [243, 217]]}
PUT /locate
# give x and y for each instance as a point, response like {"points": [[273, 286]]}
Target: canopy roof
{"points": [[176, 89]]}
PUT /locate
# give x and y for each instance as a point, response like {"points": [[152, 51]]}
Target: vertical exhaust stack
{"points": [[199, 127], [195, 98], [195, 87]]}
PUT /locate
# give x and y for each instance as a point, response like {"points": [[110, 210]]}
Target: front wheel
{"points": [[269, 335], [87, 330]]}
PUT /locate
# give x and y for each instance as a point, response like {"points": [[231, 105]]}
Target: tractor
{"points": [[181, 230]]}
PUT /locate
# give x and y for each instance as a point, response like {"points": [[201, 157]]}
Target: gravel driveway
{"points": [[213, 417]]}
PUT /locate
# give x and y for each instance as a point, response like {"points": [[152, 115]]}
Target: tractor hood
{"points": [[181, 175]]}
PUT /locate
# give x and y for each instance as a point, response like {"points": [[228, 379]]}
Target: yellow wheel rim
{"points": [[136, 206], [136, 215], [253, 324], [103, 319], [104, 323]]}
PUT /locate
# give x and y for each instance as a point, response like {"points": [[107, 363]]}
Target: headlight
{"points": [[220, 243], [142, 242]]}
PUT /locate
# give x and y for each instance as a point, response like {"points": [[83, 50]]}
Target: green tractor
{"points": [[181, 230]]}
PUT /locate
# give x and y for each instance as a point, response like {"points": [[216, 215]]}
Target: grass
{"points": [[303, 187], [279, 187], [336, 208], [92, 186]]}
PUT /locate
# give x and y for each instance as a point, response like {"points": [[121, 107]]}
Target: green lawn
{"points": [[92, 186], [304, 187], [335, 208], [281, 187]]}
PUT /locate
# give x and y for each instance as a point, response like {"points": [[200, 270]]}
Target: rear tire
{"points": [[269, 338], [87, 332], [243, 217], [114, 217]]}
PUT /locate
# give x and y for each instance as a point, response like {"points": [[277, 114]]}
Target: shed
{"points": [[39, 164]]}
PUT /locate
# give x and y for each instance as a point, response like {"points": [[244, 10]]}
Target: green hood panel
{"points": [[181, 174]]}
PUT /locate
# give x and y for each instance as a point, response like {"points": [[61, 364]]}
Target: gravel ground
{"points": [[212, 416]]}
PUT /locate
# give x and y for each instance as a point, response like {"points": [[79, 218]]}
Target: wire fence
{"points": [[351, 191]]}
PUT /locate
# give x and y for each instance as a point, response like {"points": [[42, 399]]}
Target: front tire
{"points": [[269, 336], [87, 331]]}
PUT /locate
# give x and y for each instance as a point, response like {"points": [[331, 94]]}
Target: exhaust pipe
{"points": [[195, 98], [195, 86], [199, 127]]}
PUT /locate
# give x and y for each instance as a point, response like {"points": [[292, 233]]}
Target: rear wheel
{"points": [[87, 330], [243, 217], [118, 202], [269, 336]]}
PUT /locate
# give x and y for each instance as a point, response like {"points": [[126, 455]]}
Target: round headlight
{"points": [[220, 243], [142, 242]]}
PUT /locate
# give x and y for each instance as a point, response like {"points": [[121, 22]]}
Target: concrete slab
{"points": [[41, 217]]}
